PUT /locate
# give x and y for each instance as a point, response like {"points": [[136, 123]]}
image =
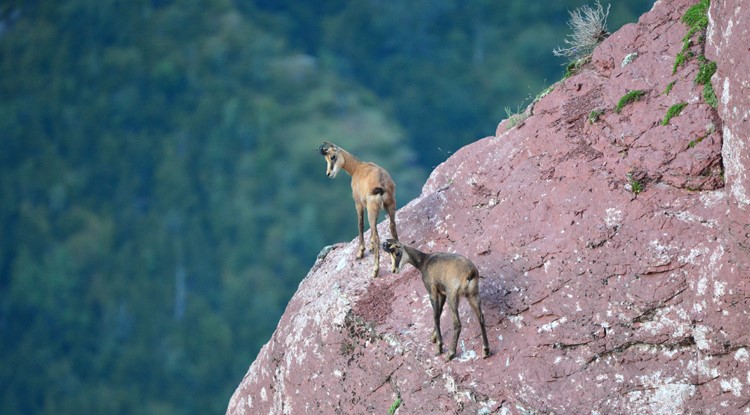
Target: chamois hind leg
{"points": [[372, 214], [437, 300], [453, 304], [361, 222], [476, 305], [391, 208], [436, 332]]}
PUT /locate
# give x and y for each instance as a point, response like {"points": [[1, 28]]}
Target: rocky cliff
{"points": [[614, 249]]}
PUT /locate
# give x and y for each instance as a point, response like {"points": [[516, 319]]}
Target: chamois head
{"points": [[397, 251], [334, 158]]}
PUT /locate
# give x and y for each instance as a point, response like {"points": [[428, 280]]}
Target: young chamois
{"points": [[445, 276], [372, 189]]}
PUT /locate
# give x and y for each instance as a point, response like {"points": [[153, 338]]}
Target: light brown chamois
{"points": [[445, 276], [372, 189]]}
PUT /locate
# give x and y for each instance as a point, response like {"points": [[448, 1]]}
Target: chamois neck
{"points": [[416, 256], [351, 163]]}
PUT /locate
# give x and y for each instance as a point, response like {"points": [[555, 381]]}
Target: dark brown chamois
{"points": [[445, 276]]}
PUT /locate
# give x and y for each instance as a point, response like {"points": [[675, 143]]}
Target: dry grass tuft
{"points": [[589, 26]]}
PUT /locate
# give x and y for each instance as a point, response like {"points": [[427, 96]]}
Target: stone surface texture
{"points": [[614, 255]]}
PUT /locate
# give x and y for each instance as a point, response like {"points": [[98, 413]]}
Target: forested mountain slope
{"points": [[160, 197]]}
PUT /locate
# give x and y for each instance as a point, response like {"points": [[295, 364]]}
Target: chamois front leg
{"points": [[361, 224], [453, 304], [372, 214]]}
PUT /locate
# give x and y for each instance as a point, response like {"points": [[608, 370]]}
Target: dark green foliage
{"points": [[668, 89], [696, 18], [570, 70], [629, 97], [635, 185], [394, 406], [710, 96], [673, 111], [705, 71], [679, 60], [697, 15], [594, 115]]}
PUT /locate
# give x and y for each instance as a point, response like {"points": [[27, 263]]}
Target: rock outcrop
{"points": [[614, 253]]}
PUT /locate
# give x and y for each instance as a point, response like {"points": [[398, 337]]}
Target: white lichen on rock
{"points": [[629, 59]]}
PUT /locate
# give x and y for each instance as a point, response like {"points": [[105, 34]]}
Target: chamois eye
{"points": [[333, 158], [398, 253]]}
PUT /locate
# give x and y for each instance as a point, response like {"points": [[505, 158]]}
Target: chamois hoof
{"points": [[486, 353], [449, 357], [360, 254], [375, 274]]}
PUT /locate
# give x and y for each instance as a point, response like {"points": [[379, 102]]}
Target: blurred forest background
{"points": [[160, 192]]}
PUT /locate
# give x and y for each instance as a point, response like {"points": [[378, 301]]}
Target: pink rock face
{"points": [[614, 259]]}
